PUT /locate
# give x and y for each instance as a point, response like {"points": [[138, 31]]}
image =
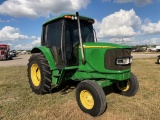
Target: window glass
{"points": [[72, 39], [72, 31], [53, 32]]}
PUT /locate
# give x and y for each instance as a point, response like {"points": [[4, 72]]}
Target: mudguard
{"points": [[47, 53]]}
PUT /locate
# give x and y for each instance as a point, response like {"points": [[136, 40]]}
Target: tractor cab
{"points": [[61, 35]]}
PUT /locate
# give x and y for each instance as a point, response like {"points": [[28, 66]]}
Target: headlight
{"points": [[124, 61]]}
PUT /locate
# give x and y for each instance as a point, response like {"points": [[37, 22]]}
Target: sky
{"points": [[130, 22]]}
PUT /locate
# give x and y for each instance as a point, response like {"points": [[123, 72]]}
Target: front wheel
{"points": [[91, 98], [127, 87]]}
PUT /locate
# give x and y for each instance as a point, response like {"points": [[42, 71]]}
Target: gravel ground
{"points": [[22, 60], [135, 55]]}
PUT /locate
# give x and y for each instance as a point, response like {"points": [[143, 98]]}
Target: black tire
{"points": [[39, 74], [91, 98], [128, 87]]}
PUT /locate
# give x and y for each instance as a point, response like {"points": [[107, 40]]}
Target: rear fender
{"points": [[47, 53]]}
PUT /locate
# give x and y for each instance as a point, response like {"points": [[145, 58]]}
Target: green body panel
{"points": [[46, 51], [55, 77], [94, 56], [96, 76]]}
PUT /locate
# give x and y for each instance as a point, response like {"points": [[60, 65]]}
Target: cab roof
{"points": [[69, 16]]}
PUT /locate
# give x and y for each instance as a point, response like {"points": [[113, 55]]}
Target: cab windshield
{"points": [[72, 34]]}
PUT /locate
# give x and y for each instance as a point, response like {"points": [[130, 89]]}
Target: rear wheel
{"points": [[91, 98], [39, 74], [127, 87]]}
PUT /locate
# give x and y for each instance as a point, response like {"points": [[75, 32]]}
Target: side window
{"points": [[53, 33], [87, 32], [44, 36]]}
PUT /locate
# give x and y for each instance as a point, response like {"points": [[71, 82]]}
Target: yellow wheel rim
{"points": [[124, 85], [86, 99], [35, 75]]}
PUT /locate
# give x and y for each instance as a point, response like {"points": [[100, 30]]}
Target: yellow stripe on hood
{"points": [[97, 46]]}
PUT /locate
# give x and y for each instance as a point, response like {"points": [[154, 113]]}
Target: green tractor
{"points": [[69, 51]]}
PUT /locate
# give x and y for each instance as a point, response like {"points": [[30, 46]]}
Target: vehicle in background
{"points": [[13, 53], [23, 52], [5, 52]]}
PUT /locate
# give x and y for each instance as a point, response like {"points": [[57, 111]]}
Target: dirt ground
{"points": [[141, 55], [22, 60]]}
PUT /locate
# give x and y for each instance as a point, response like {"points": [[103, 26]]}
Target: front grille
{"points": [[111, 56]]}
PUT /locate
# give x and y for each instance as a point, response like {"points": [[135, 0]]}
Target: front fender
{"points": [[47, 53]]}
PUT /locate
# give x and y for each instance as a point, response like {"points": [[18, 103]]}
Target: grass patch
{"points": [[18, 102]]}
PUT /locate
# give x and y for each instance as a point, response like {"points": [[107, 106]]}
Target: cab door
{"points": [[52, 38]]}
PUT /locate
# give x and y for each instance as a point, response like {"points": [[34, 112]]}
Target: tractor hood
{"points": [[102, 57]]}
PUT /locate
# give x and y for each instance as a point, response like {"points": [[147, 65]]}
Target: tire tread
{"points": [[45, 85]]}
